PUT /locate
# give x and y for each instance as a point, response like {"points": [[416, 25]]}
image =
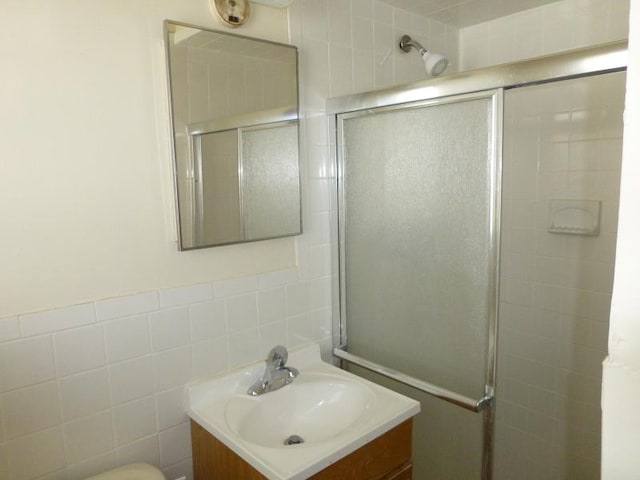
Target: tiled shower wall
{"points": [[92, 386], [552, 28], [562, 141], [350, 46], [251, 83]]}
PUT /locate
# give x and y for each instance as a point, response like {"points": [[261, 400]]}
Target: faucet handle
{"points": [[277, 356]]}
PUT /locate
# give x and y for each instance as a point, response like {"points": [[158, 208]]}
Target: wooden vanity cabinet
{"points": [[387, 457]]}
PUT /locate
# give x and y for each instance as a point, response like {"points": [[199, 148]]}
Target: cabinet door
{"points": [[391, 452], [387, 453], [405, 473]]}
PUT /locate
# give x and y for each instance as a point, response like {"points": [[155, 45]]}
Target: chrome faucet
{"points": [[276, 375]]}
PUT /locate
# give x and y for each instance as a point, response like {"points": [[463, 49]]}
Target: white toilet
{"points": [[135, 471]]}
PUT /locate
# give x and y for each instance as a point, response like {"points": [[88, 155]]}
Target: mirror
{"points": [[234, 111]]}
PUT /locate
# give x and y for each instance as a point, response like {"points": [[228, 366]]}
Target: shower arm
{"points": [[406, 43]]}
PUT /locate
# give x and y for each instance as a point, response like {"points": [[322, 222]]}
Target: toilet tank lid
{"points": [[135, 471]]}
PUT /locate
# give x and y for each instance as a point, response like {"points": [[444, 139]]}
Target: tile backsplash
{"points": [[88, 387]]}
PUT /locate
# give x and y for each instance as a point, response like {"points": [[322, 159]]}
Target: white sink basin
{"points": [[332, 411], [316, 407]]}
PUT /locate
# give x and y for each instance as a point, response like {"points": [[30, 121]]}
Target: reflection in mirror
{"points": [[234, 104]]}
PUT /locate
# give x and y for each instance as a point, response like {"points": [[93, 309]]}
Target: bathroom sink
{"points": [[296, 431], [316, 408]]}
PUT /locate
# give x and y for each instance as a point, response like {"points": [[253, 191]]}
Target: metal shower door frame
{"points": [[494, 154]]}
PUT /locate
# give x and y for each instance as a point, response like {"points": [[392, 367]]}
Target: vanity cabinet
{"points": [[387, 457]]}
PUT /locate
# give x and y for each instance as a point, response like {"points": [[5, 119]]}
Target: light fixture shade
{"points": [[232, 13], [434, 63]]}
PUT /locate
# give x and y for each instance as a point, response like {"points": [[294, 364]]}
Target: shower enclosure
{"points": [[477, 222]]}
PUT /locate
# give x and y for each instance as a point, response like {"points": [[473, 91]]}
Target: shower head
{"points": [[434, 63]]}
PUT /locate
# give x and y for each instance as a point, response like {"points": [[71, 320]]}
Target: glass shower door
{"points": [[418, 212]]}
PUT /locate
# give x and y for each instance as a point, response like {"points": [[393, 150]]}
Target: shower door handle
{"points": [[426, 387]]}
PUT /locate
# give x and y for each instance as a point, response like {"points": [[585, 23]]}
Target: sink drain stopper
{"points": [[294, 440]]}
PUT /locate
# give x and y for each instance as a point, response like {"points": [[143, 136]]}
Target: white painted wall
{"points": [[621, 384], [86, 197]]}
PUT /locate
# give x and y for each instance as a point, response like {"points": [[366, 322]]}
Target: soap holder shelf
{"points": [[574, 217]]}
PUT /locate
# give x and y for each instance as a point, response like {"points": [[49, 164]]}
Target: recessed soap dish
{"points": [[574, 217]]}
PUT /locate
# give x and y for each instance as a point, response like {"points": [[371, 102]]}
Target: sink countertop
{"points": [[222, 406]]}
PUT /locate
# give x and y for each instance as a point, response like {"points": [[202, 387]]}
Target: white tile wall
{"points": [[54, 320], [172, 368], [210, 357], [31, 362], [125, 306], [89, 387], [88, 437], [552, 28], [9, 328], [250, 81], [79, 349], [84, 394], [131, 379], [145, 450], [134, 420], [352, 46], [169, 328], [242, 312], [556, 289], [32, 409], [271, 305], [185, 295], [37, 454], [127, 338]]}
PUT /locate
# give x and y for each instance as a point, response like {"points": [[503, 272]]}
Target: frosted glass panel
{"points": [[447, 440], [417, 202], [416, 264], [270, 181], [248, 184]]}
